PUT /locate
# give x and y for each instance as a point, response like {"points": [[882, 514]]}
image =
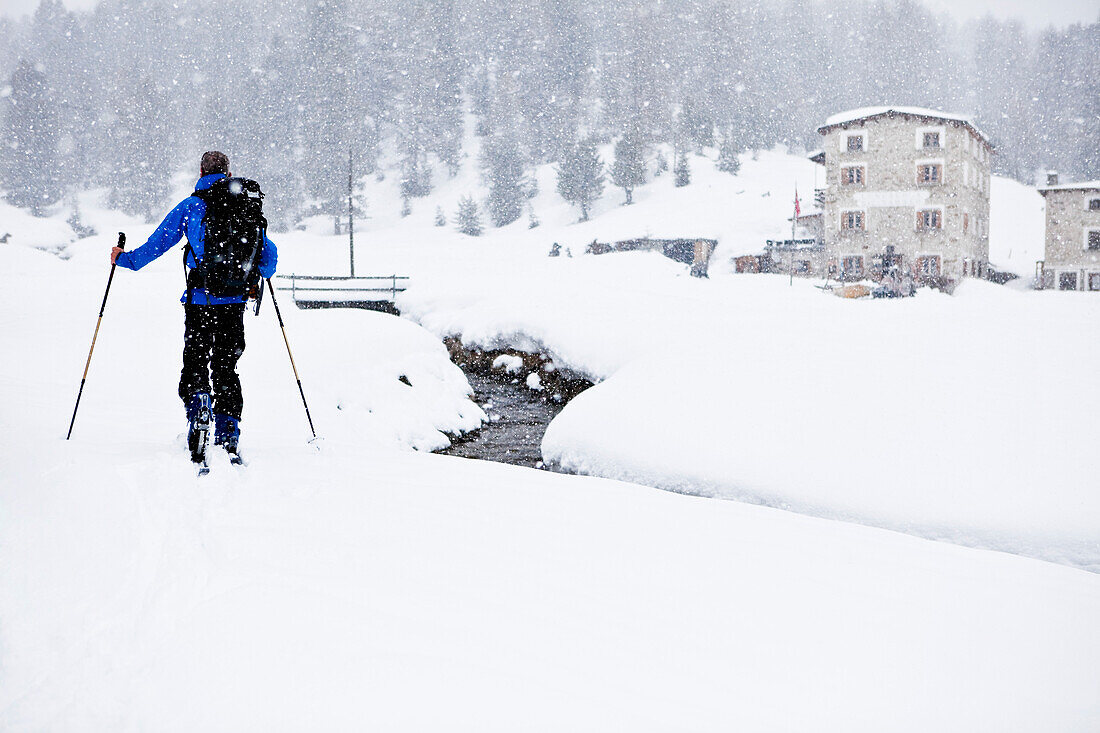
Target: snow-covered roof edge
{"points": [[1083, 186], [865, 113]]}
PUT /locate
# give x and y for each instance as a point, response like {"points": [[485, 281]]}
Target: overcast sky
{"points": [[1036, 13]]}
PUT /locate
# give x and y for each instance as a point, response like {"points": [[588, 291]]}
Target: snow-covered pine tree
{"points": [[502, 157], [480, 99], [503, 162], [581, 176], [30, 141], [57, 44], [75, 221], [440, 217], [697, 126], [468, 218], [416, 174], [727, 153], [661, 164], [628, 168], [682, 170], [326, 106], [143, 146], [428, 98], [531, 185], [554, 79], [270, 148]]}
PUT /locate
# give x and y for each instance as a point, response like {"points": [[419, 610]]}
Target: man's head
{"points": [[214, 162]]}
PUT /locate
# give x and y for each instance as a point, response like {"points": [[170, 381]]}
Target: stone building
{"points": [[905, 187], [1071, 260], [804, 255]]}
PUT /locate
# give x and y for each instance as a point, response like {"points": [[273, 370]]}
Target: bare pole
{"points": [[351, 219], [794, 219], [282, 327], [121, 245]]}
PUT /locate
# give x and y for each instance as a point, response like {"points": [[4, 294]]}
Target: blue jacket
{"points": [[186, 219]]}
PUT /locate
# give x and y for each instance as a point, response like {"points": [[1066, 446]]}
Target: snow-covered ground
{"points": [[367, 585]]}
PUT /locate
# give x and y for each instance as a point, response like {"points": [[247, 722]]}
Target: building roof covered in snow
{"points": [[867, 113], [1083, 186]]}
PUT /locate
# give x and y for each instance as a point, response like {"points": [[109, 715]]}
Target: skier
{"points": [[213, 338]]}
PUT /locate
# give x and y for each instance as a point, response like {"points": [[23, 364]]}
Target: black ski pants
{"points": [[213, 340]]}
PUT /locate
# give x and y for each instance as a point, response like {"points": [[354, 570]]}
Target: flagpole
{"points": [[794, 219]]}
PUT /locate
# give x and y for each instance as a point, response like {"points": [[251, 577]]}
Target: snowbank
{"points": [[937, 415], [351, 368], [963, 437], [18, 227]]}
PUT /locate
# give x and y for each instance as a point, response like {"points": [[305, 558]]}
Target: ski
{"points": [[198, 436]]}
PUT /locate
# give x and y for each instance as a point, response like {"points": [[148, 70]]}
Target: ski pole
{"points": [[121, 245], [282, 326]]}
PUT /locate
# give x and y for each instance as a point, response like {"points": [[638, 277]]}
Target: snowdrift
{"points": [[856, 419]]}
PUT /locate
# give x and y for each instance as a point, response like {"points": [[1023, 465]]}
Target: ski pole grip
{"points": [[122, 240]]}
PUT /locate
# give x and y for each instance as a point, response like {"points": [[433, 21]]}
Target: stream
{"points": [[518, 417]]}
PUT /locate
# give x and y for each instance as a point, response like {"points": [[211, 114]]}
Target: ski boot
{"points": [[227, 434], [199, 418]]}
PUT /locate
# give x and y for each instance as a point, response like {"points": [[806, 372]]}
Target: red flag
{"points": [[797, 209]]}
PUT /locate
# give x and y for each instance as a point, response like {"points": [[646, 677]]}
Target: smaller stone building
{"points": [[1071, 260], [804, 255]]}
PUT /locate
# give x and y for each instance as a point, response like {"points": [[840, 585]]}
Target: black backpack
{"points": [[235, 227]]}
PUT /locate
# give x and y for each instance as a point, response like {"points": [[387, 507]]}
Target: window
{"points": [[852, 267], [929, 174], [966, 222], [1094, 204], [1093, 243], [855, 143], [1067, 281], [929, 220], [1094, 281], [851, 220], [929, 266], [931, 140], [851, 176]]}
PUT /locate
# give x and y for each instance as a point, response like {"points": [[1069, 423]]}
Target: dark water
{"points": [[518, 418]]}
